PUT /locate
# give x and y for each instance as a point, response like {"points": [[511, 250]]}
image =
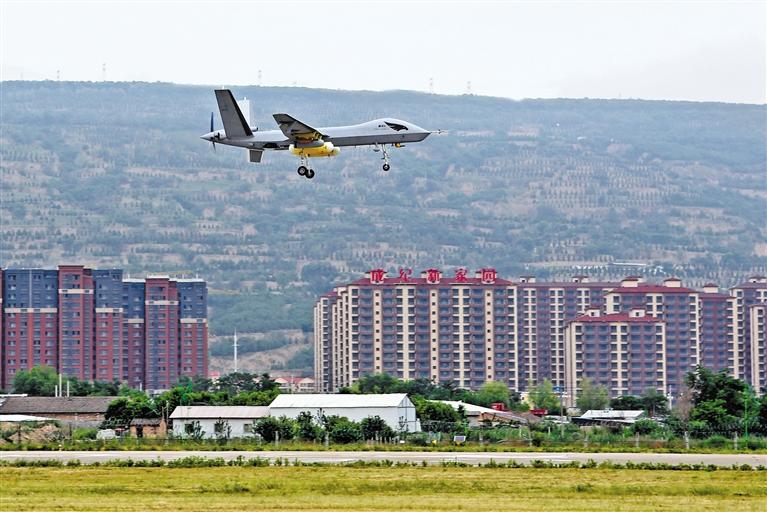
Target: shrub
{"points": [[80, 434], [345, 431], [715, 442], [644, 427]]}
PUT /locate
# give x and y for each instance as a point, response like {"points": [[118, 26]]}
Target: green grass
{"points": [[396, 488]]}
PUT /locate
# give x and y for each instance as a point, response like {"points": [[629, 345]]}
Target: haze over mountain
{"points": [[114, 174]]}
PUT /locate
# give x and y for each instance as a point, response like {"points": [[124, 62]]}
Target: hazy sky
{"points": [[692, 50]]}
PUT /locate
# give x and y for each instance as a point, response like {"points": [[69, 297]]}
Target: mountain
{"points": [[114, 174]]}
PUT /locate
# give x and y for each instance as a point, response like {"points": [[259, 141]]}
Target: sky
{"points": [[684, 50]]}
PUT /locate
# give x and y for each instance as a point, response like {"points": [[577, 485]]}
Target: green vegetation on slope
{"points": [[114, 174]]}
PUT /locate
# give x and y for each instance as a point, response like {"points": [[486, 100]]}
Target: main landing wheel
{"points": [[310, 173], [386, 167], [303, 171]]}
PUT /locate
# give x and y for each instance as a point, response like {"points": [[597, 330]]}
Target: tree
{"points": [[720, 402], [542, 396], [193, 430], [195, 383], [436, 416], [374, 427], [377, 383], [344, 431], [644, 426], [222, 429], [592, 396], [707, 386], [122, 410], [492, 392], [654, 402], [627, 403], [37, 381], [267, 428], [307, 429]]}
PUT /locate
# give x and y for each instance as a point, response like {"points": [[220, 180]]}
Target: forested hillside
{"points": [[114, 174]]}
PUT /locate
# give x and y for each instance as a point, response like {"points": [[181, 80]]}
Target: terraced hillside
{"points": [[114, 174]]}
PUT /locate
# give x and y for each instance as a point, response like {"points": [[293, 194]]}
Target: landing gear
{"points": [[306, 172], [385, 157]]}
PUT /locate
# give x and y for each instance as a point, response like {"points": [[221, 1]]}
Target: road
{"points": [[473, 458]]}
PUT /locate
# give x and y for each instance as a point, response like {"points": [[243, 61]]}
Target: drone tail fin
{"points": [[235, 124]]}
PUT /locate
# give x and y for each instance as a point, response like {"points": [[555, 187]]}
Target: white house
{"points": [[395, 409], [239, 418]]}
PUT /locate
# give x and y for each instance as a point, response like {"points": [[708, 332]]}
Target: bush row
{"points": [[240, 461]]}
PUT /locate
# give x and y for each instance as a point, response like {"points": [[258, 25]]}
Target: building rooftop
{"points": [[315, 400], [616, 317], [421, 281], [55, 405], [610, 414], [194, 412], [145, 422], [652, 288]]}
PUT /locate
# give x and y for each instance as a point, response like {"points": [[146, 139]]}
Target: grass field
{"points": [[409, 488]]}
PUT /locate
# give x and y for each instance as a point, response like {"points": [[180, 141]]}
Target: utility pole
{"points": [[235, 351]]}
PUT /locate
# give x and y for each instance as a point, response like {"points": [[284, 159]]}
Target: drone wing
{"points": [[295, 129]]}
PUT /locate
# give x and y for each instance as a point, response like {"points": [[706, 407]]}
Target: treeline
{"points": [[231, 389]]}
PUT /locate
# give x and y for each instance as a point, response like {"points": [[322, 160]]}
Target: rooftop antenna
{"points": [[235, 351], [468, 87], [259, 78], [58, 75], [104, 72], [431, 85]]}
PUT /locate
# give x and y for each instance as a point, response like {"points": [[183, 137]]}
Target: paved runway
{"points": [[88, 457]]}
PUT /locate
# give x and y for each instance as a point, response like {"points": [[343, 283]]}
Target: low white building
{"points": [[395, 409], [239, 418], [609, 417]]}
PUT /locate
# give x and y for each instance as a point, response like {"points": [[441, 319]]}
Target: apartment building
{"points": [[93, 324], [469, 330]]}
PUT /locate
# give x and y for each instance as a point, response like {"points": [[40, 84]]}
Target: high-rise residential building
{"points": [[458, 329], [94, 325], [717, 351], [466, 331], [624, 352], [758, 353], [746, 296], [678, 307], [543, 310]]}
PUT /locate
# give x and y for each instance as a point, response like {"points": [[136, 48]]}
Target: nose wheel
{"points": [[385, 157]]}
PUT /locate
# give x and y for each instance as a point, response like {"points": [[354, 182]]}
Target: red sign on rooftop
{"points": [[433, 275], [377, 276], [404, 274], [487, 275]]}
